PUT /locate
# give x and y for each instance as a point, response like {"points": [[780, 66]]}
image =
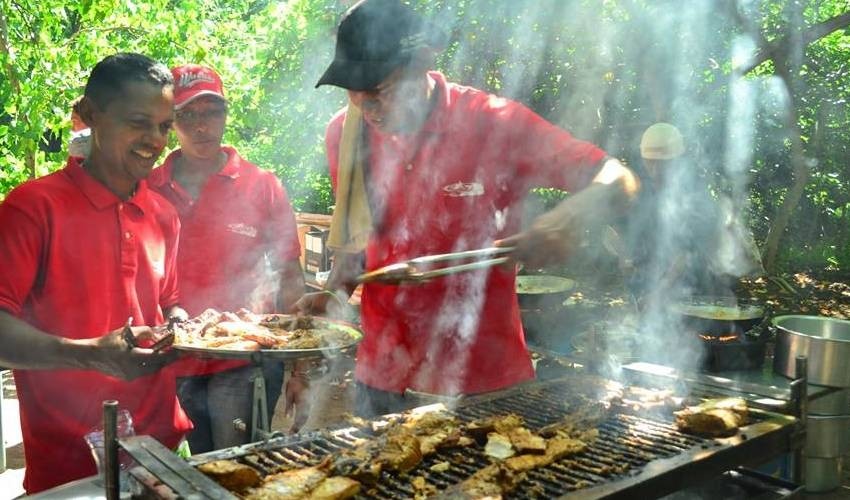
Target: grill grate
{"points": [[615, 466], [626, 443]]}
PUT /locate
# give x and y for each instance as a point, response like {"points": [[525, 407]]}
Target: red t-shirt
{"points": [[78, 263], [458, 184], [241, 216]]}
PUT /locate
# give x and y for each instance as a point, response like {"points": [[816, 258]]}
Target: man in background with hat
{"points": [[679, 240], [424, 166], [238, 249]]}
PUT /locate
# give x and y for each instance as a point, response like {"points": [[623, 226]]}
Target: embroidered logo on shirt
{"points": [[158, 267], [243, 229], [463, 189]]}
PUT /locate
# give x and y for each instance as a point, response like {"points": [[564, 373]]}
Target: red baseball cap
{"points": [[192, 81]]}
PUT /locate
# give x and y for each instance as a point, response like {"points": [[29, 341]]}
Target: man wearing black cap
{"points": [[424, 166]]}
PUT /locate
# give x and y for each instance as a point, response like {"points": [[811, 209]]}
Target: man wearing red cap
{"points": [[239, 249], [84, 249], [424, 166]]}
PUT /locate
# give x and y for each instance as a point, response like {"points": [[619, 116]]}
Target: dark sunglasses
{"points": [[192, 117]]}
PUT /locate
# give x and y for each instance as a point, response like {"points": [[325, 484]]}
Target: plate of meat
{"points": [[241, 335]]}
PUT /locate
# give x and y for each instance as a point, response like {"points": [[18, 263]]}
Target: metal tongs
{"points": [[166, 340], [425, 268]]}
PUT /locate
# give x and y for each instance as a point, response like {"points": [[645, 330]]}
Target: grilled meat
{"points": [[231, 474], [556, 448], [358, 463], [713, 418], [499, 446], [308, 483], [501, 478], [501, 424], [422, 488], [400, 447], [293, 484], [246, 331], [400, 453], [525, 441], [335, 488]]}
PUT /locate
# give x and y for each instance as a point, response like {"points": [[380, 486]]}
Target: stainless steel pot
{"points": [[827, 436], [834, 403], [824, 341], [822, 474]]}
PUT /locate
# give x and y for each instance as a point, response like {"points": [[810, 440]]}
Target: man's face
{"points": [[132, 129], [658, 170], [396, 103], [199, 126]]}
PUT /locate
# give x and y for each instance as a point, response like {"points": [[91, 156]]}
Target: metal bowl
{"points": [[824, 341]]}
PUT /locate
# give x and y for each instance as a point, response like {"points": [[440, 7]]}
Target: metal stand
{"points": [[111, 467], [800, 398], [260, 409]]}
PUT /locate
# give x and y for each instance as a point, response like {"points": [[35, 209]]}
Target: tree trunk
{"points": [[788, 62]]}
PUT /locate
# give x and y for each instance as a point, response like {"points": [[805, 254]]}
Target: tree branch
{"points": [[815, 32]]}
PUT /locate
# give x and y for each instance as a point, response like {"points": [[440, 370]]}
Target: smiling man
{"points": [[238, 246], [84, 249]]}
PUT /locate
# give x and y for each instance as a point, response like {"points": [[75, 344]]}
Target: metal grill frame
{"points": [[689, 459]]}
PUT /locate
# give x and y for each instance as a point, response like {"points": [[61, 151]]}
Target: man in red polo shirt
{"points": [[84, 249], [239, 249], [425, 166]]}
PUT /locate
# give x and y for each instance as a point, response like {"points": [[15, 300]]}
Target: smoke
{"points": [[608, 72]]}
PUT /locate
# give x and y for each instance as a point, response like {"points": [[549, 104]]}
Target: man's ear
{"points": [[87, 109]]}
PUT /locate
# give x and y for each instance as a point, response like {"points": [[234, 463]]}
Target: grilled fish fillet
{"points": [[335, 488], [230, 474], [713, 418], [293, 484]]}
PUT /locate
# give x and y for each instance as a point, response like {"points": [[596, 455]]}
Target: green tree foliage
{"points": [[603, 70]]}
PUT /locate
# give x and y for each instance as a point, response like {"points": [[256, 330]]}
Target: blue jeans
{"points": [[214, 401]]}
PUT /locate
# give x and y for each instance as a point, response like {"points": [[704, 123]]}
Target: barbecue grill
{"points": [[638, 454]]}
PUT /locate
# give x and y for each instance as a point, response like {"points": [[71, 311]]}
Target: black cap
{"points": [[376, 37]]}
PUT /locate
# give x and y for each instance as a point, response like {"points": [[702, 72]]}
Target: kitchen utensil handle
{"points": [[481, 253], [445, 271]]}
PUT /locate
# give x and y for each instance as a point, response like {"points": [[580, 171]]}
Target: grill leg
{"points": [[260, 412], [800, 396]]}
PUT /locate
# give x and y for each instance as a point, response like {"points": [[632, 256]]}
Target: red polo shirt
{"points": [[78, 263], [458, 184], [241, 216]]}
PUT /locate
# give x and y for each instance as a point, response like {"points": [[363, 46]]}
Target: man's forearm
{"points": [[346, 268], [606, 198], [22, 346], [291, 285], [616, 184]]}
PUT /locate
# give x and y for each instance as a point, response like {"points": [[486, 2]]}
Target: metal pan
{"points": [[350, 329], [541, 291], [716, 315]]}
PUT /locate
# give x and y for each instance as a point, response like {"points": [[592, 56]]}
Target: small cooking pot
{"points": [[541, 291], [719, 315]]}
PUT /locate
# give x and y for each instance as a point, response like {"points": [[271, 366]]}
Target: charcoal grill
{"points": [[635, 455]]}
